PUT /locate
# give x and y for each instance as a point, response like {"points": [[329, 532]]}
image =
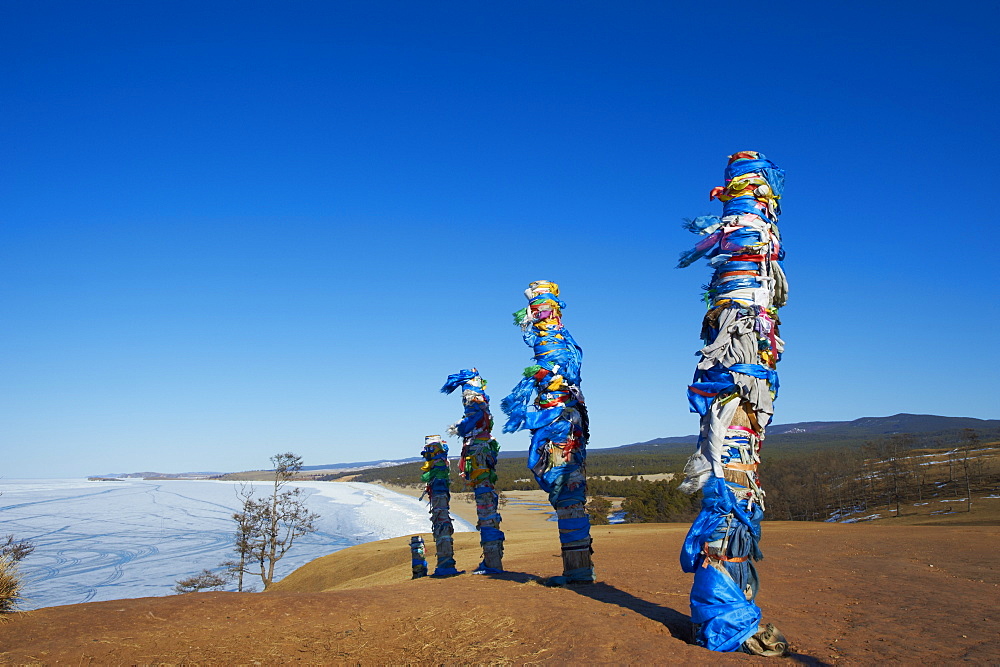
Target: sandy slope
{"points": [[852, 594]]}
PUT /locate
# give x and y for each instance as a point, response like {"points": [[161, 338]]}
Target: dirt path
{"points": [[843, 594]]}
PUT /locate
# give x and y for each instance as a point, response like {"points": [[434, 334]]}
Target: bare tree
{"points": [[901, 466], [873, 473], [246, 536], [970, 444], [952, 457], [268, 527]]}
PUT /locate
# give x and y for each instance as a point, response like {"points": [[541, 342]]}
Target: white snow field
{"points": [[134, 538]]}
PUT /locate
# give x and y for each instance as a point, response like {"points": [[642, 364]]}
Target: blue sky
{"points": [[232, 229]]}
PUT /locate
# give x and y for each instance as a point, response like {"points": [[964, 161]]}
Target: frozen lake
{"points": [[134, 538]]}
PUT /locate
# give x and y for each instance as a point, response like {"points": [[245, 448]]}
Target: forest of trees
{"points": [[801, 486], [513, 475], [884, 473]]}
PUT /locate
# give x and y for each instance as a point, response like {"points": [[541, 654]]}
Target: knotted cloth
{"points": [[437, 476], [558, 422], [478, 463], [734, 386]]}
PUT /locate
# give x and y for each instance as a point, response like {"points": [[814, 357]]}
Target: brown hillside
{"points": [[843, 594]]}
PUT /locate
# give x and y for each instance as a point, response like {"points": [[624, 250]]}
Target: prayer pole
{"points": [[734, 385], [417, 560], [478, 463], [559, 424], [437, 476]]}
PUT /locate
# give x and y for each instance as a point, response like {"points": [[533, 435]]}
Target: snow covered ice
{"points": [[135, 538]]}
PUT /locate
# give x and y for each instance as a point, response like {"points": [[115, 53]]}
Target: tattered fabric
{"points": [[733, 390]]}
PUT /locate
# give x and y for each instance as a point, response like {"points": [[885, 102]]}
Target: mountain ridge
{"points": [[781, 438], [799, 435]]}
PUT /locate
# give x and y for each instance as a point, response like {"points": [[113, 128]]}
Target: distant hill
{"points": [[928, 430], [363, 465], [328, 467], [158, 475], [800, 437]]}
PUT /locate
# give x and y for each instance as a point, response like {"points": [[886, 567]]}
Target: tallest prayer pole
{"points": [[733, 390]]}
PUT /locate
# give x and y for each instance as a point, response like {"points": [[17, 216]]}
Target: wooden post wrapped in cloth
{"points": [[478, 463], [417, 561], [734, 387], [437, 476], [559, 424]]}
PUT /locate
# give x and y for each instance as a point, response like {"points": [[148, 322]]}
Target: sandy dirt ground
{"points": [[842, 594]]}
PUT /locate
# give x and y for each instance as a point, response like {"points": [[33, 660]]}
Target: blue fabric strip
{"points": [[490, 534], [742, 205], [456, 380], [758, 371], [725, 617]]}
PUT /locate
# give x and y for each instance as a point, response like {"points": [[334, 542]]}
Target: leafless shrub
{"points": [[16, 551], [206, 580]]}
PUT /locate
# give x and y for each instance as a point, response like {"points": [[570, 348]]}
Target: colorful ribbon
{"points": [[559, 424], [734, 386], [478, 463]]}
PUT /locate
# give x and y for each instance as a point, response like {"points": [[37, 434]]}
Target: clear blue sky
{"points": [[229, 229]]}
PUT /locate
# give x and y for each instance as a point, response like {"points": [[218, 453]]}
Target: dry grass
{"points": [[10, 586]]}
